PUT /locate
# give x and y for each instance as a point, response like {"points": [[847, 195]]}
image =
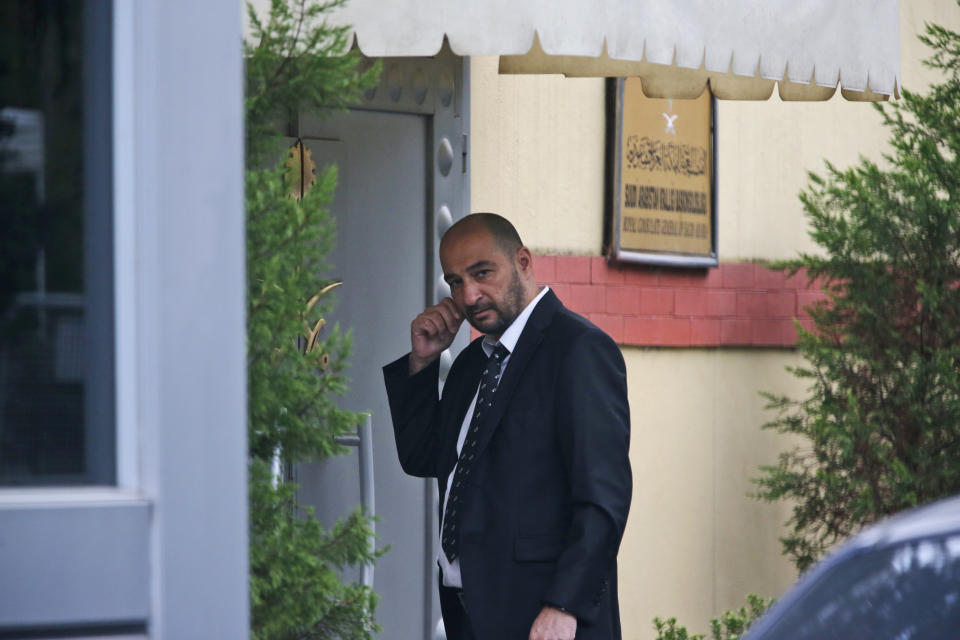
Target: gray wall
{"points": [[191, 313], [166, 549]]}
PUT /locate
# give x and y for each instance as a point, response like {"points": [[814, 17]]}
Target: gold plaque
{"points": [[663, 179]]}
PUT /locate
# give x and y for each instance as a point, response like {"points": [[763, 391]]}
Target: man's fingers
{"points": [[553, 624], [444, 317], [448, 303], [451, 316], [431, 332], [427, 325]]}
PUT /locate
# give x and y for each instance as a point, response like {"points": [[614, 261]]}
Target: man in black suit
{"points": [[529, 444]]}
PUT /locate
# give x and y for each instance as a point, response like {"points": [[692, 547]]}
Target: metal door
{"points": [[402, 178]]}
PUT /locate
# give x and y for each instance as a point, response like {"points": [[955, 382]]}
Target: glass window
{"points": [[56, 307]]}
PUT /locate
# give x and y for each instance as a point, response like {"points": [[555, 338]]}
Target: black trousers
{"points": [[456, 618]]}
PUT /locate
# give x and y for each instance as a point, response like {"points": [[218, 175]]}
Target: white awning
{"points": [[742, 47]]}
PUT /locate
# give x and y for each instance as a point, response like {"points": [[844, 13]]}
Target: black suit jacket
{"points": [[548, 495]]}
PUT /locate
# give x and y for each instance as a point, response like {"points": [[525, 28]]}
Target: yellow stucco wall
{"points": [[537, 146], [695, 543]]}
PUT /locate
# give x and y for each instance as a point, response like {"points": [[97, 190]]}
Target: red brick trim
{"points": [[735, 304]]}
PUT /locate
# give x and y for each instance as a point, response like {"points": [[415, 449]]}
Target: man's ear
{"points": [[524, 260]]}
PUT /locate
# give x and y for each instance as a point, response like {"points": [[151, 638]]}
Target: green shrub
{"points": [[729, 626], [880, 426], [296, 63]]}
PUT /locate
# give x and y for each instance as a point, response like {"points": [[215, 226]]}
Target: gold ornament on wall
{"points": [[313, 333], [301, 170]]}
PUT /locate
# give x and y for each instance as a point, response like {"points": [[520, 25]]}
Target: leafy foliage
{"points": [[296, 590], [729, 626], [292, 394], [881, 426], [296, 63]]}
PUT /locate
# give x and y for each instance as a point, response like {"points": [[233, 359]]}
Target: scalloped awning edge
{"points": [[742, 47]]}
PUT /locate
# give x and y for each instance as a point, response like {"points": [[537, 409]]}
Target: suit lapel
{"points": [[527, 345]]}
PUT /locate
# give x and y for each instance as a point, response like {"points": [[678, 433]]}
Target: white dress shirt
{"points": [[451, 570]]}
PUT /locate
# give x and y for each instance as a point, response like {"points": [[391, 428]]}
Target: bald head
{"points": [[504, 234]]}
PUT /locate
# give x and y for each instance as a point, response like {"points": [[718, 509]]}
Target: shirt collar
{"points": [[512, 334]]}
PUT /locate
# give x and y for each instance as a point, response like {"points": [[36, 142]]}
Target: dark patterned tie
{"points": [[488, 384]]}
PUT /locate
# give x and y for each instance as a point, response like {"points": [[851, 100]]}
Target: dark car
{"points": [[897, 580]]}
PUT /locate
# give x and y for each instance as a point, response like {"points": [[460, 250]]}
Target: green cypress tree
{"points": [[296, 62], [880, 429]]}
